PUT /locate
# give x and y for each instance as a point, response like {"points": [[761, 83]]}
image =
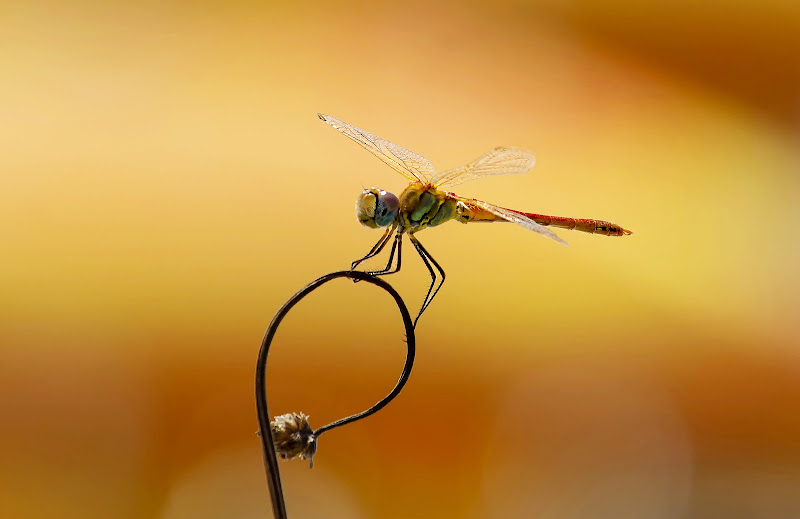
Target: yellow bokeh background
{"points": [[167, 186]]}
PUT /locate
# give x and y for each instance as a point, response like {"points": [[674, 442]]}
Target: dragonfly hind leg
{"points": [[427, 259]]}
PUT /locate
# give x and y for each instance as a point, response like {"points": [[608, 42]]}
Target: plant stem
{"points": [[267, 446]]}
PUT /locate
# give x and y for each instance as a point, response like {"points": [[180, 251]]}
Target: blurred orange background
{"points": [[167, 186]]}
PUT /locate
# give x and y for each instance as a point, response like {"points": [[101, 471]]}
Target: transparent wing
{"points": [[405, 162], [513, 217], [499, 161]]}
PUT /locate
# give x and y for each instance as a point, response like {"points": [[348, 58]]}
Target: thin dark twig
{"points": [[270, 458]]}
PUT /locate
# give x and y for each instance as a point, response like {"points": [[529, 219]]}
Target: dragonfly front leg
{"points": [[376, 249], [427, 259], [396, 246]]}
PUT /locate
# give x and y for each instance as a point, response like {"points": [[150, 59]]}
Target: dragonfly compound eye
{"points": [[386, 210], [376, 208]]}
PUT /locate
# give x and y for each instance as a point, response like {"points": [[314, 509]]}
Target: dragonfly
{"points": [[425, 204]]}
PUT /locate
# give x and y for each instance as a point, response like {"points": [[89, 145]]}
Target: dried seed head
{"points": [[293, 437]]}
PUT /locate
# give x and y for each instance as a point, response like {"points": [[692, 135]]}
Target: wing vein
{"points": [[415, 168]]}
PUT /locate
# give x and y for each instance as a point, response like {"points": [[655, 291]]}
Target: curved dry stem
{"points": [[267, 446]]}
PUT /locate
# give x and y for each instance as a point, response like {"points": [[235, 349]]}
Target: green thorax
{"points": [[424, 206]]}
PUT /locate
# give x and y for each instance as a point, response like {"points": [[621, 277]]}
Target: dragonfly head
{"points": [[376, 208]]}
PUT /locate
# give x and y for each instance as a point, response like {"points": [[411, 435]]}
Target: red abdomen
{"points": [[579, 224]]}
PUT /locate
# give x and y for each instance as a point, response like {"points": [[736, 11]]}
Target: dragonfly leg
{"points": [[427, 259], [377, 248], [396, 246]]}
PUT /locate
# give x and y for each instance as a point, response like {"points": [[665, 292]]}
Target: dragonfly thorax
{"points": [[376, 208]]}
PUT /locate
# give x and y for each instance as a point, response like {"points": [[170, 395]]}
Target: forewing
{"points": [[511, 216], [405, 162], [499, 161]]}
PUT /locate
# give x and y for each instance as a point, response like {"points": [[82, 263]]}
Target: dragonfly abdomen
{"points": [[588, 225]]}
